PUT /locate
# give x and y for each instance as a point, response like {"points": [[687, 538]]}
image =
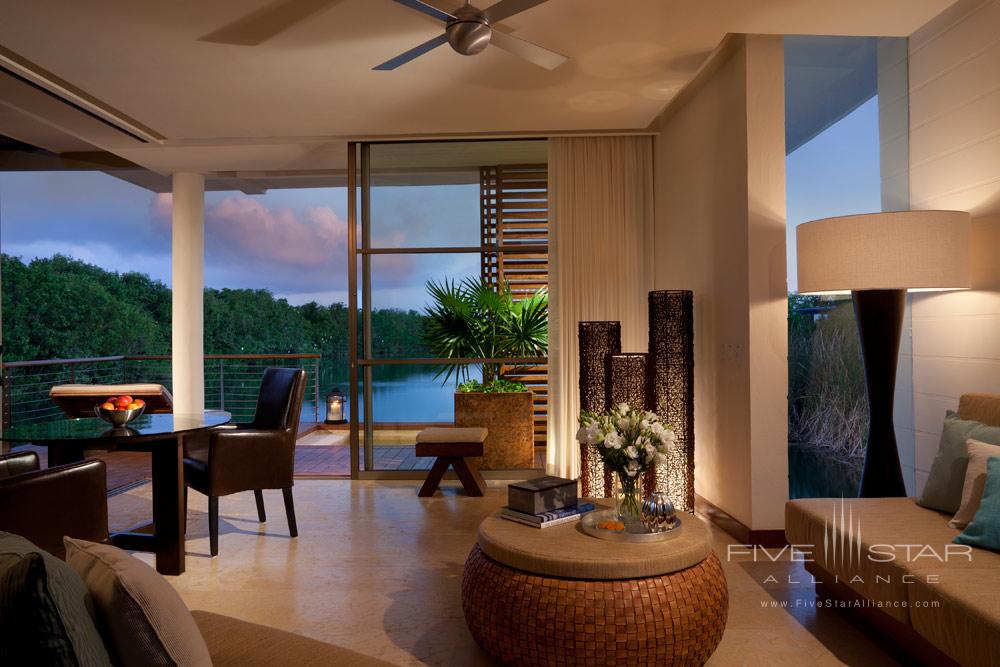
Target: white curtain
{"points": [[600, 264]]}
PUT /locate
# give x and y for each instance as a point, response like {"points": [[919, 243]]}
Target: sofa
{"points": [[38, 507], [897, 565]]}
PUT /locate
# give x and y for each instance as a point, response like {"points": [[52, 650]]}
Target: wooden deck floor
{"points": [[317, 454]]}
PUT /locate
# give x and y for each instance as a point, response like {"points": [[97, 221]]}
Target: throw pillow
{"points": [[975, 481], [146, 620], [984, 530], [46, 617], [943, 490]]}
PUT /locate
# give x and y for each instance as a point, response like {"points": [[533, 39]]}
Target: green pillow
{"points": [[943, 490], [46, 617], [984, 530]]}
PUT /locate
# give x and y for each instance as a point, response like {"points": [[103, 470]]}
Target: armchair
{"points": [[251, 457], [44, 505]]}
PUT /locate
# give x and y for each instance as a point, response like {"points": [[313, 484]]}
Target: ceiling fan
{"points": [[469, 31]]}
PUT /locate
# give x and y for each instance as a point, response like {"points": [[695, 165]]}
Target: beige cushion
{"points": [[966, 623], [566, 551], [449, 434], [975, 481], [881, 521], [237, 643], [146, 621]]}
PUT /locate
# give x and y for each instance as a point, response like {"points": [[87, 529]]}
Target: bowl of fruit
{"points": [[120, 410]]}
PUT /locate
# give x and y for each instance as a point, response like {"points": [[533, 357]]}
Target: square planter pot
{"points": [[509, 418]]}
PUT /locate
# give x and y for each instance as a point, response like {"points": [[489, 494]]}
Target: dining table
{"points": [[163, 436]]}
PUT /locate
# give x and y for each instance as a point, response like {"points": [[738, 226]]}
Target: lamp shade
{"points": [[917, 250]]}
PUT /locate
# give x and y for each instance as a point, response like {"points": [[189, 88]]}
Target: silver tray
{"points": [[588, 524]]}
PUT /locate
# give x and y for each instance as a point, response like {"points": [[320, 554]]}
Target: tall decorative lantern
{"points": [[597, 340], [671, 364], [628, 380]]}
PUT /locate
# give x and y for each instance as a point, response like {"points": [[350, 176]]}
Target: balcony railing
{"points": [[232, 381]]}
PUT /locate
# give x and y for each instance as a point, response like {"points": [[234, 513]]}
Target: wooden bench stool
{"points": [[452, 446]]}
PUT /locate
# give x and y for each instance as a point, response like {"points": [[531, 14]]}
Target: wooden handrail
{"points": [[452, 361], [59, 362], [153, 357], [276, 355]]}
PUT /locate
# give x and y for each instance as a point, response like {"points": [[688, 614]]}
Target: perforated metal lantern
{"points": [[336, 408]]}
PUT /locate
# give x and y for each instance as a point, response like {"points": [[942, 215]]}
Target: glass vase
{"points": [[628, 505]]}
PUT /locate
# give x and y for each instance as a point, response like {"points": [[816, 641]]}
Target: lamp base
{"points": [[879, 315]]}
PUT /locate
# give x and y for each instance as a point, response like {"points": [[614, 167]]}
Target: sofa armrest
{"points": [[44, 505]]}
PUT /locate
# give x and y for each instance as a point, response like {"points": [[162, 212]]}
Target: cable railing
{"points": [[232, 381]]}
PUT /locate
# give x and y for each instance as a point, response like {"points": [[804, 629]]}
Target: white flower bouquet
{"points": [[629, 441]]}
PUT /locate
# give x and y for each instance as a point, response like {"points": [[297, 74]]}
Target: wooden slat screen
{"points": [[514, 211]]}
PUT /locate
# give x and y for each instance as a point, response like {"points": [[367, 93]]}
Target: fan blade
{"points": [[507, 8], [530, 52], [263, 24], [424, 8], [415, 52]]}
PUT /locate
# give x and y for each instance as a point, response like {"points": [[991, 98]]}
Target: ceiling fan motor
{"points": [[469, 32]]}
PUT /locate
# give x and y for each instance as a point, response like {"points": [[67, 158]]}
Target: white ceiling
{"points": [[289, 102]]}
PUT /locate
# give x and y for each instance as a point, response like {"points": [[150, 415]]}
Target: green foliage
{"points": [[826, 386], [474, 319], [61, 307], [499, 386]]}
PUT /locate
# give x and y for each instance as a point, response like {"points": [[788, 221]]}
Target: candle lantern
{"points": [[336, 408]]}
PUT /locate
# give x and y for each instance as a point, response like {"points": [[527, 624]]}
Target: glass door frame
{"points": [[361, 366]]}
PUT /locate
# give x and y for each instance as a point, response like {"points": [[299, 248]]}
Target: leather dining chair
{"points": [[250, 457], [43, 505]]}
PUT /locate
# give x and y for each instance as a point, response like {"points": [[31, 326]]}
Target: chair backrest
{"points": [[279, 403], [17, 463]]}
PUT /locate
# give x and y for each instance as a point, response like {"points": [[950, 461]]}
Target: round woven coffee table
{"points": [[560, 597]]}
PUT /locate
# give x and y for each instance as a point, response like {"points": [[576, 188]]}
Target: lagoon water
{"points": [[413, 396]]}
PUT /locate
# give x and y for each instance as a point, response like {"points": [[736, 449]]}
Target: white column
{"points": [[188, 267]]}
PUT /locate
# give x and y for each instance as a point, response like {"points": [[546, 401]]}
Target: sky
{"points": [[292, 242], [836, 173]]}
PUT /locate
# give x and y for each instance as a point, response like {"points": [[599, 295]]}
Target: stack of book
{"points": [[544, 502]]}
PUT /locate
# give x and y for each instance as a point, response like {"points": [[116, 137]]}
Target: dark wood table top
{"points": [[90, 429]]}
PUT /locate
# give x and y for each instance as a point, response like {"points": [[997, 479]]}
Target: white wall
{"points": [[719, 164], [954, 91]]}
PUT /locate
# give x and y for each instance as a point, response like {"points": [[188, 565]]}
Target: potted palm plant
{"points": [[476, 320]]}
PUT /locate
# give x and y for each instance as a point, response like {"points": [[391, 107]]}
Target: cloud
{"points": [[249, 244]]}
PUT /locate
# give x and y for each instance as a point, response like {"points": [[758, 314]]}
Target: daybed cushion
{"points": [[242, 644], [943, 489], [46, 616], [966, 625], [968, 588], [881, 521], [145, 619]]}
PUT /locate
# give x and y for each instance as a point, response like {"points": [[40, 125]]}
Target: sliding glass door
{"points": [[442, 213]]}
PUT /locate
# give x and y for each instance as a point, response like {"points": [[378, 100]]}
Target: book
{"points": [[542, 494], [548, 524], [547, 519]]}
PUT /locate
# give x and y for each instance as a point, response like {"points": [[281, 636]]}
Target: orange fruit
{"points": [[139, 402], [107, 406], [133, 406]]}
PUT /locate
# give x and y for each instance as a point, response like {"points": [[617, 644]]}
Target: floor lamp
{"points": [[877, 258]]}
